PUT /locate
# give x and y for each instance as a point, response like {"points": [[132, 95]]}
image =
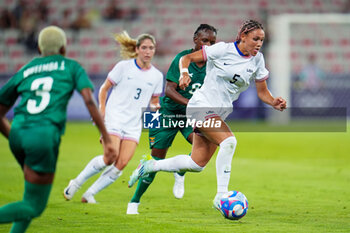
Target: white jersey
{"points": [[131, 93], [228, 74]]}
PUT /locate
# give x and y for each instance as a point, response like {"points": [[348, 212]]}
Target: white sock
{"points": [[93, 167], [179, 163], [108, 177], [223, 163]]}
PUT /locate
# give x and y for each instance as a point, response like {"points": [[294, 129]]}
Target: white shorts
{"points": [[124, 133], [199, 110]]}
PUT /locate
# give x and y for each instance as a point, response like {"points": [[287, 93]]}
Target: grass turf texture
{"points": [[294, 182]]}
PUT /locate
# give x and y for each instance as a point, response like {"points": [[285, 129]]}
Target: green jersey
{"points": [[197, 75], [45, 85]]}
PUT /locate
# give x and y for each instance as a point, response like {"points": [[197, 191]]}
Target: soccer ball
{"points": [[233, 205]]}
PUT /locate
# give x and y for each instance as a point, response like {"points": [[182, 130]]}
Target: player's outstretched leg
{"points": [[179, 163]]}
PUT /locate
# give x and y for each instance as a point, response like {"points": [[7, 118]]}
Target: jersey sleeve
{"points": [[116, 74], [8, 93], [173, 74], [214, 52], [159, 86], [82, 79], [261, 74]]}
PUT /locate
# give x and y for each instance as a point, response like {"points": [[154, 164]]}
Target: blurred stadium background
{"points": [[314, 57]]}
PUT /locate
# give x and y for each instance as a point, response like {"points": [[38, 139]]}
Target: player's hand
{"points": [[279, 104], [184, 80], [154, 107]]}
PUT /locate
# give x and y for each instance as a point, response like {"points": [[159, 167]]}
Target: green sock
{"points": [[183, 173], [33, 204], [143, 184]]}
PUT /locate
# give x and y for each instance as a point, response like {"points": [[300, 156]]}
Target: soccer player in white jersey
{"points": [[230, 69], [135, 84]]}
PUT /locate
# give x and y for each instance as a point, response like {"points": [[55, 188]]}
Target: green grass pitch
{"points": [[294, 182]]}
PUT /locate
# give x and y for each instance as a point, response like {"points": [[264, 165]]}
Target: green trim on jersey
{"points": [[45, 85], [197, 75]]}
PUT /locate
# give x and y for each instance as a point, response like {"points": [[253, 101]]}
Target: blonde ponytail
{"points": [[129, 45]]}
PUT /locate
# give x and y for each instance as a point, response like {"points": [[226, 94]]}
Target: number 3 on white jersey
{"points": [[44, 93]]}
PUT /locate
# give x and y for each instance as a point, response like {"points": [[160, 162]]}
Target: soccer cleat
{"points": [[132, 208], [216, 201], [88, 198], [179, 186], [70, 190], [145, 166]]}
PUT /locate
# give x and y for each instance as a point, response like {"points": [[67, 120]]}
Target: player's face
{"points": [[253, 41], [146, 50], [206, 37]]}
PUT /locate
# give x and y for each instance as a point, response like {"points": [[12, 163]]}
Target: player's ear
{"points": [[63, 51], [243, 37], [195, 39]]}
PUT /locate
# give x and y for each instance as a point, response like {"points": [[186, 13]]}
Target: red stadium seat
{"points": [[10, 41], [91, 54], [19, 65], [17, 53], [337, 68], [4, 67], [111, 54], [73, 54], [344, 42], [85, 41], [105, 41], [95, 68]]}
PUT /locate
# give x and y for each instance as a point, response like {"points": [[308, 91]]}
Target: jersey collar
{"points": [[140, 67], [240, 52]]}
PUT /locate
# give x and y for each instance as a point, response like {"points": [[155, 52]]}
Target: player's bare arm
{"points": [[170, 91], [184, 63], [4, 123], [265, 95], [89, 100], [102, 96]]}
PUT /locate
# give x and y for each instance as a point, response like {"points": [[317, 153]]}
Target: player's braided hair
{"points": [[247, 27], [204, 27], [129, 45]]}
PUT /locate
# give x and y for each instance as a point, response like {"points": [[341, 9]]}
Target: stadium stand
{"points": [[95, 47]]}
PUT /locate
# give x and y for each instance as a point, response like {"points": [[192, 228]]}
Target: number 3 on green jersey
{"points": [[32, 105]]}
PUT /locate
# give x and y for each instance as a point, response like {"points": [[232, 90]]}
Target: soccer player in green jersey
{"points": [[45, 86], [173, 108]]}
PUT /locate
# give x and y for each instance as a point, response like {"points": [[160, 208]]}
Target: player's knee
{"points": [[36, 210], [109, 160], [121, 163]]}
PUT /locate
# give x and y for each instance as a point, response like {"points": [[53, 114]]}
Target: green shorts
{"points": [[36, 146], [163, 137]]}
